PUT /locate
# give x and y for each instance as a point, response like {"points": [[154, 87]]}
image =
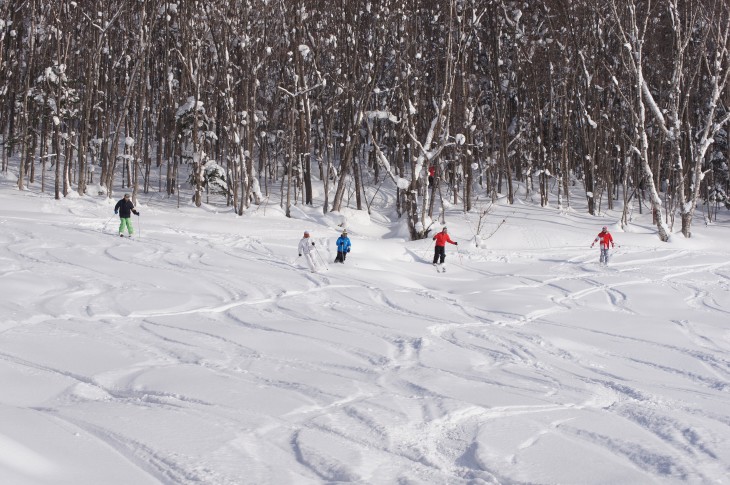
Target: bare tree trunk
{"points": [[26, 92], [633, 37]]}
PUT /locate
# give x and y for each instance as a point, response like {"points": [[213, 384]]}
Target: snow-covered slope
{"points": [[203, 351]]}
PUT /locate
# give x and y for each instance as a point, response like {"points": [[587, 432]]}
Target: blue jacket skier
{"points": [[343, 247]]}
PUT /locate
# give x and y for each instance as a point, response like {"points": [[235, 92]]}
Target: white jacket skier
{"points": [[305, 249]]}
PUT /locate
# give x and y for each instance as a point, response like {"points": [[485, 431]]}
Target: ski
{"points": [[122, 236]]}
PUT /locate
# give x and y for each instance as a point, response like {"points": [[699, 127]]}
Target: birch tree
{"points": [[632, 24]]}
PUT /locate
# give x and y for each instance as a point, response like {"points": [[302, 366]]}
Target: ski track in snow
{"points": [[404, 378]]}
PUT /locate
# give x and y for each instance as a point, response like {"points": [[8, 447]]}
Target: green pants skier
{"points": [[125, 208]]}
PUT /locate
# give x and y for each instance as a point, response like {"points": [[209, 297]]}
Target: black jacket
{"points": [[125, 208]]}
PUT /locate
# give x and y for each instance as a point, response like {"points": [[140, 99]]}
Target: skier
{"points": [[343, 247], [305, 248], [439, 253], [124, 208], [605, 239]]}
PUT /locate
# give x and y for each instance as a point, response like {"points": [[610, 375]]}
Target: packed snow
{"points": [[202, 350]]}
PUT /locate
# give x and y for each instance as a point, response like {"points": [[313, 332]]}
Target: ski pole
{"points": [[326, 266], [139, 224], [461, 262], [319, 258], [316, 250], [103, 228], [429, 247]]}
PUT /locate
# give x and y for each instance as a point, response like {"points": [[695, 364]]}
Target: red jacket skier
{"points": [[440, 250], [604, 238]]}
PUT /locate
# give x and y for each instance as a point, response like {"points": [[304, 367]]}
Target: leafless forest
{"points": [[249, 100]]}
